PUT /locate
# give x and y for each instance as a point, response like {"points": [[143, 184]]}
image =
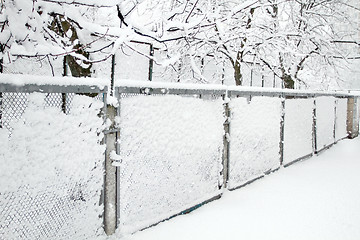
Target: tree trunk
{"points": [[76, 69], [286, 78], [237, 74], [288, 81]]}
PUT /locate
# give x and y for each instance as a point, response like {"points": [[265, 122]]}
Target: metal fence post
{"points": [[1, 99], [117, 145], [282, 131], [314, 130], [112, 76], [335, 118], [352, 118], [151, 63], [110, 175], [226, 141], [1, 95], [63, 95]]}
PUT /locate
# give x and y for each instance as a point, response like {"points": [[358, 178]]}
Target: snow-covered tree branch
{"points": [[288, 38]]}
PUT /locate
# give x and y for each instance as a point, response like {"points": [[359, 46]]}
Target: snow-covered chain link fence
{"points": [[15, 103], [169, 149], [51, 165], [171, 155], [255, 138]]}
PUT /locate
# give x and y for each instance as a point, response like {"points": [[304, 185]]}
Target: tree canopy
{"points": [[288, 38]]}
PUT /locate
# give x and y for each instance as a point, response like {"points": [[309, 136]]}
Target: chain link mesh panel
{"points": [[325, 122], [298, 129], [180, 147], [341, 119], [13, 105], [44, 215], [60, 207], [255, 137]]}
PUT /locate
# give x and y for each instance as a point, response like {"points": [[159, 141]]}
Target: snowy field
{"points": [[315, 199]]}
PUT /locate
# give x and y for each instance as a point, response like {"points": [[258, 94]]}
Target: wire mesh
{"points": [[39, 215], [50, 209], [13, 105], [173, 145], [12, 108]]}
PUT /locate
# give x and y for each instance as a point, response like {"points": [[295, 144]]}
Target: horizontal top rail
{"points": [[142, 87], [31, 83], [49, 84], [286, 93], [180, 91], [30, 88]]}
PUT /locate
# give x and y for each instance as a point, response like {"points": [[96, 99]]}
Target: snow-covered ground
{"points": [[315, 199]]}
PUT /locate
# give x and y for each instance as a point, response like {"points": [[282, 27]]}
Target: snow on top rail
{"points": [[143, 87], [31, 83], [260, 91]]}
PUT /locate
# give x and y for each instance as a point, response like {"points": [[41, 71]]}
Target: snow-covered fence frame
{"points": [[285, 146], [217, 102], [180, 131], [128, 90], [64, 90], [45, 193], [30, 88], [341, 106], [255, 131], [336, 118], [325, 122]]}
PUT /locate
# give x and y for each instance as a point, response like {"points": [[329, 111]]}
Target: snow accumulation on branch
{"points": [[87, 3], [296, 41]]}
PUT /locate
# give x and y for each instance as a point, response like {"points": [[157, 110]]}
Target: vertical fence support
{"points": [[335, 118], [282, 132], [63, 95], [117, 144], [274, 80], [112, 76], [151, 62], [251, 77], [1, 102], [226, 142], [352, 118], [1, 95], [314, 130], [110, 176]]}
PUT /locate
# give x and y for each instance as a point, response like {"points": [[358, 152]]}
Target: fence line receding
{"points": [[165, 150]]}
